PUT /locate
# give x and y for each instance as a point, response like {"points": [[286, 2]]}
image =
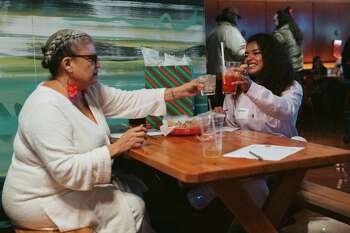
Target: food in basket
{"points": [[182, 124], [184, 127]]}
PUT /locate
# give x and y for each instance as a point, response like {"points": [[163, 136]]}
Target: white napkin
{"points": [[264, 152], [150, 132], [229, 129], [165, 130]]}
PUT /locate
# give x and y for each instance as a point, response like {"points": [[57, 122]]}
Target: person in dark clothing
{"points": [[318, 70], [345, 62], [318, 74], [288, 33]]}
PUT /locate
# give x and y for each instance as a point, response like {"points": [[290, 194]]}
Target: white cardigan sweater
{"points": [[260, 110], [60, 155]]}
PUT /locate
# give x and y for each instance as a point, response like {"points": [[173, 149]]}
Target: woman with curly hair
{"points": [[60, 178], [268, 98], [288, 33]]}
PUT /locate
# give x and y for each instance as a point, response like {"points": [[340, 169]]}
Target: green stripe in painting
{"points": [[162, 22]]}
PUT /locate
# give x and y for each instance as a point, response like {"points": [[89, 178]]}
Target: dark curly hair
{"points": [[284, 17], [277, 73]]}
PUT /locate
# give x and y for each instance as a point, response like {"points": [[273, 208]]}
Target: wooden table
{"points": [[181, 158]]}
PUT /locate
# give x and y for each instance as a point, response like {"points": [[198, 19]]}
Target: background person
{"points": [[60, 175], [337, 68], [345, 61], [234, 47], [288, 33], [318, 70]]}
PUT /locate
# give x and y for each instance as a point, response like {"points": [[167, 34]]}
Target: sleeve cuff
{"points": [[253, 89], [162, 105], [104, 166]]}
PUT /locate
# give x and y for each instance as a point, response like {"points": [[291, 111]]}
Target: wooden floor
{"points": [[335, 177]]}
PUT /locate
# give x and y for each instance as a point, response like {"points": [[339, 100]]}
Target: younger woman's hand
{"points": [[244, 81], [133, 138]]}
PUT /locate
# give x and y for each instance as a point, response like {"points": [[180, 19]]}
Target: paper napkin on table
{"points": [[165, 130], [150, 132], [229, 129], [265, 152]]}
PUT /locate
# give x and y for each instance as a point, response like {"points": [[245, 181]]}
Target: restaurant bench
{"points": [[326, 201]]}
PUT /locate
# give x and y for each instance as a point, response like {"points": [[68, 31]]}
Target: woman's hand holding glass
{"points": [[188, 89], [244, 81], [133, 138]]}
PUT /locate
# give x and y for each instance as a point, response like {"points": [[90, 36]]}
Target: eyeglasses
{"points": [[93, 58]]}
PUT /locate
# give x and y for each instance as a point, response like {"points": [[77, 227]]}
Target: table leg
{"points": [[284, 193], [238, 201]]}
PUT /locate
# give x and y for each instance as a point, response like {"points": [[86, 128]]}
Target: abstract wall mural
{"points": [[120, 29]]}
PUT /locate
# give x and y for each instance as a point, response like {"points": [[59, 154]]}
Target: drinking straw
{"points": [[209, 104], [222, 56], [212, 122]]}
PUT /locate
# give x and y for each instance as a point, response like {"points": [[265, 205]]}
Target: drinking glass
{"points": [[230, 75], [211, 134], [209, 82]]}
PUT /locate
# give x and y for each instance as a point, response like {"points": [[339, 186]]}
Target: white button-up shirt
{"points": [[260, 110]]}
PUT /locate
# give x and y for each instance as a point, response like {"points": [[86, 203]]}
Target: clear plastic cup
{"points": [[211, 134], [209, 82]]}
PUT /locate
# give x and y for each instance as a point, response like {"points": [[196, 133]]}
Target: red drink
{"points": [[227, 80]]}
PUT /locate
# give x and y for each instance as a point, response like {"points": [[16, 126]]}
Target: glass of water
{"points": [[209, 82]]}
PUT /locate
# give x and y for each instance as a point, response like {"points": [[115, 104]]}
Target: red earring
{"points": [[72, 90]]}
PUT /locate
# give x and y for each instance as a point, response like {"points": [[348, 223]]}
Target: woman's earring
{"points": [[72, 90]]}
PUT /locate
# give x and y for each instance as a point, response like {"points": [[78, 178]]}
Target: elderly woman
{"points": [[268, 97], [60, 176]]}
